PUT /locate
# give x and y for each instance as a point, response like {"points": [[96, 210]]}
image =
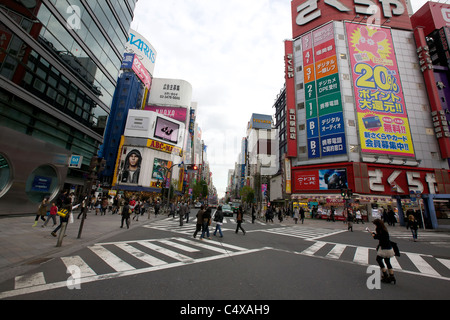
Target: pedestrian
{"points": [[188, 211], [384, 251], [302, 214], [42, 211], [172, 210], [359, 217], [104, 206], [206, 223], [157, 207], [83, 207], [296, 215], [253, 213], [183, 211], [137, 209], [280, 215], [218, 219], [240, 219], [66, 206], [199, 224], [53, 212], [413, 224], [349, 220], [126, 212]]}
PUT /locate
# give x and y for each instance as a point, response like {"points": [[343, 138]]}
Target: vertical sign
{"points": [[380, 104], [324, 112], [290, 100]]}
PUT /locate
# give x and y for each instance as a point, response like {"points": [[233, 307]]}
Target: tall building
{"points": [[59, 64], [369, 117]]}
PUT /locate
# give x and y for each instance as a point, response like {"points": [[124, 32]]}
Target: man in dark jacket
{"points": [[126, 215]]}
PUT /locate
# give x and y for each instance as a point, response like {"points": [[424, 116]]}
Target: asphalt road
{"points": [[162, 261]]}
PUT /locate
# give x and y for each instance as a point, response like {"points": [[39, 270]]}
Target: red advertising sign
{"points": [[291, 113], [309, 14], [141, 72], [432, 16], [306, 180]]}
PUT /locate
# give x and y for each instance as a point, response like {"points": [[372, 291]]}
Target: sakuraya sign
{"points": [[309, 14]]}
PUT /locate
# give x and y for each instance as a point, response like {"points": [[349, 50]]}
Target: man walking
{"points": [[239, 219]]}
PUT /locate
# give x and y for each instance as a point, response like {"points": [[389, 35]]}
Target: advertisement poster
{"points": [[167, 130], [325, 179], [380, 103], [130, 166], [323, 100], [160, 168]]}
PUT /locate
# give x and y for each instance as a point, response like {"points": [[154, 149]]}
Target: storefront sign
{"points": [[291, 111], [324, 113], [164, 147], [380, 103], [309, 14]]}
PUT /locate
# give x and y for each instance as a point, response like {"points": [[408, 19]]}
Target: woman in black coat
{"points": [[384, 251]]}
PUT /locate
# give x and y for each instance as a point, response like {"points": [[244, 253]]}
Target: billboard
{"points": [[130, 166], [323, 99], [261, 121], [170, 92], [310, 14], [179, 114], [291, 110], [144, 51], [315, 180], [164, 132], [380, 104]]}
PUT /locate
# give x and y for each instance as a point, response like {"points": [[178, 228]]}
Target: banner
{"points": [[380, 103], [323, 99]]}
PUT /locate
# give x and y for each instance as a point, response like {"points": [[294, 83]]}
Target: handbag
{"points": [[395, 247], [63, 213]]}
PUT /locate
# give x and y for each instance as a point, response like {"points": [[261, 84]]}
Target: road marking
{"points": [[111, 259], [361, 255], [141, 255], [167, 252], [421, 264], [336, 252], [29, 280], [85, 270], [314, 248]]}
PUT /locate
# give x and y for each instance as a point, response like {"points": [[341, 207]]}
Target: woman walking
{"points": [[384, 251], [239, 219], [413, 225], [206, 223], [218, 218], [42, 211]]}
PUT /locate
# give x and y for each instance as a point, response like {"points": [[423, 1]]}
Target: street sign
{"points": [[75, 162]]}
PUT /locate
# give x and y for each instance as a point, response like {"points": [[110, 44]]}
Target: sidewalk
{"points": [[24, 247]]}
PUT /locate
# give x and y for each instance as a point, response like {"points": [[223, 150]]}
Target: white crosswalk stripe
{"points": [[305, 232], [366, 256], [155, 254]]}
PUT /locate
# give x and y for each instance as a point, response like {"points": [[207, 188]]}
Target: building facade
{"points": [[364, 117], [59, 64]]}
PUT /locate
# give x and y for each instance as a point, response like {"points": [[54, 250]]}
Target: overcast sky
{"points": [[231, 52]]}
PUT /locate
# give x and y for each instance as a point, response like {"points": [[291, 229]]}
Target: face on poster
{"points": [[130, 165], [382, 117]]}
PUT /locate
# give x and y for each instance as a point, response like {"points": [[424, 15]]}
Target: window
{"points": [[5, 175]]}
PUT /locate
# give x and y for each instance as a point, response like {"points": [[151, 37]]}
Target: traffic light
{"points": [[346, 193], [192, 167]]}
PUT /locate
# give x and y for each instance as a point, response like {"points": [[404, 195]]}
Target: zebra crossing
{"points": [[409, 262], [308, 233], [125, 259], [170, 224]]}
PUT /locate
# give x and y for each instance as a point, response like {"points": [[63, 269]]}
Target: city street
{"points": [[160, 260]]}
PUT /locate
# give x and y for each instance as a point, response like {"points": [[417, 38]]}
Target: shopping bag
{"points": [[63, 213]]}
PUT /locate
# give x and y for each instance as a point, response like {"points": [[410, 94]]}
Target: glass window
{"points": [[43, 182], [5, 175]]}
